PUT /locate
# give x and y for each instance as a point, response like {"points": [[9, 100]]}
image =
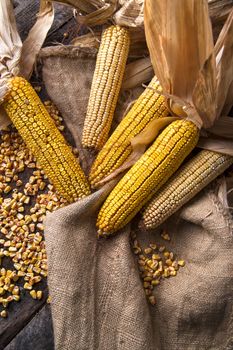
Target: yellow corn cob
{"points": [[149, 105], [184, 185], [42, 137], [107, 79], [147, 175]]}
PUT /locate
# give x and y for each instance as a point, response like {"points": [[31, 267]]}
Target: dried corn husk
{"points": [[192, 72], [182, 54], [223, 127], [17, 58], [129, 13], [224, 57], [199, 90], [137, 72], [36, 37]]}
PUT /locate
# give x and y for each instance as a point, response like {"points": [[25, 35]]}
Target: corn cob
{"points": [[149, 105], [184, 185], [107, 79], [147, 175], [42, 137]]}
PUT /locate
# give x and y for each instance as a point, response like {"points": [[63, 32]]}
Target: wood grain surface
{"points": [[29, 324]]}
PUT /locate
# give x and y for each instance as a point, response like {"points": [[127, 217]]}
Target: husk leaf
{"points": [[224, 58], [4, 119], [223, 127], [130, 13], [11, 45], [228, 102], [99, 16], [180, 41], [137, 73], [10, 51], [35, 38], [219, 145], [91, 40]]}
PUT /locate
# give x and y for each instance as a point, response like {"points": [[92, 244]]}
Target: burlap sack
{"points": [[98, 300]]}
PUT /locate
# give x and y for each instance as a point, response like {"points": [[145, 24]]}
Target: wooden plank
{"points": [[37, 335], [21, 313], [26, 11]]}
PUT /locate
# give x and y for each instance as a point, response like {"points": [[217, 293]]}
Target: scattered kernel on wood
{"points": [[3, 313], [39, 294], [165, 236], [33, 294], [23, 207]]}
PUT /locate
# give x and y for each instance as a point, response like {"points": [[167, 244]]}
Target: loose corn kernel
{"points": [[33, 294], [4, 313], [16, 297], [181, 263], [39, 294]]}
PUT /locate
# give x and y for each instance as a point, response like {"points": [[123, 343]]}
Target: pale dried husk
{"points": [[11, 45], [181, 48], [224, 56], [17, 58], [219, 137], [206, 82], [218, 145], [223, 127], [192, 72], [129, 13], [137, 73], [35, 38]]}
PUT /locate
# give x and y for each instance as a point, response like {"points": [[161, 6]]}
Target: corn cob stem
{"points": [[42, 137], [147, 175], [184, 185], [107, 79], [149, 105]]}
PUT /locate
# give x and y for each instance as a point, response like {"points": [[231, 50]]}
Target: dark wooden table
{"points": [[29, 325]]}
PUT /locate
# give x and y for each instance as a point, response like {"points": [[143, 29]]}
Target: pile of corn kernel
{"points": [[155, 263], [23, 207]]}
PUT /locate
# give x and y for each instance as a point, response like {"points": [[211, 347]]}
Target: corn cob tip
{"points": [[103, 234], [141, 225]]}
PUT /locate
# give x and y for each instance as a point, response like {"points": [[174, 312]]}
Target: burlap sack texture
{"points": [[97, 297]]}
